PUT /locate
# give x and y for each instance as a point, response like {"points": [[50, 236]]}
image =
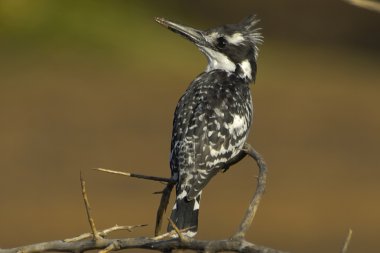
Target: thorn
{"points": [[153, 178]]}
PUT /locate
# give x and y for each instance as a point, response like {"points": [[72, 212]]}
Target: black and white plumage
{"points": [[213, 117]]}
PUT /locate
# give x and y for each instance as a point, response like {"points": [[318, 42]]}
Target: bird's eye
{"points": [[221, 42]]}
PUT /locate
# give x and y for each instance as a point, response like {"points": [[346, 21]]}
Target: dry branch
{"points": [[104, 233], [168, 241], [143, 243], [162, 243], [95, 233], [260, 189]]}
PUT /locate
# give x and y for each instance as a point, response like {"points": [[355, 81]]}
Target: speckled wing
{"points": [[211, 125]]}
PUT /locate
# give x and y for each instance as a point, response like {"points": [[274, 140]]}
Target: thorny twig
{"points": [[153, 178], [95, 233], [164, 242]]}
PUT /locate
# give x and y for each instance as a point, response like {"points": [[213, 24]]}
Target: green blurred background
{"points": [[87, 84]]}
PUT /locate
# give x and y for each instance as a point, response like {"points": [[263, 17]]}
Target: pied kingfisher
{"points": [[213, 117]]}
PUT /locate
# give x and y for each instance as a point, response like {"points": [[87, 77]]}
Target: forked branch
{"points": [[143, 243], [165, 242]]}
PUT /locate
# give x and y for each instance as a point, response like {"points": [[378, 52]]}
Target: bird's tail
{"points": [[185, 214]]}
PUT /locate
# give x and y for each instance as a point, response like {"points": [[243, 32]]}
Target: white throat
{"points": [[218, 60]]}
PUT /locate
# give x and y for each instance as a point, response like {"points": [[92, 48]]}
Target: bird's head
{"points": [[232, 48]]}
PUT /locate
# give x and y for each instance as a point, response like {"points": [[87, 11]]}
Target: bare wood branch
{"points": [[164, 242], [260, 189], [160, 243], [104, 233], [347, 241], [88, 209], [143, 243], [117, 227], [153, 178]]}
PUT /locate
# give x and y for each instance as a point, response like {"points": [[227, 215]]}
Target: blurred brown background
{"points": [[87, 84]]}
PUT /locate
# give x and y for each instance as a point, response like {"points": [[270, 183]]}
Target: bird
{"points": [[213, 117]]}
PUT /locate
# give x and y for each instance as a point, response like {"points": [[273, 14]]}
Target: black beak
{"points": [[194, 35]]}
